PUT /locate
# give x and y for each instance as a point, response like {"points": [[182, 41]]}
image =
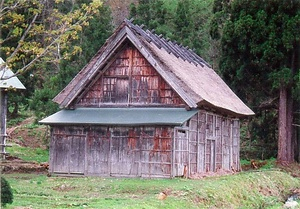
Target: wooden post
{"points": [[3, 113]]}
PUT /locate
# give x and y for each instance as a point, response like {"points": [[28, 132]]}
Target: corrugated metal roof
{"points": [[12, 82], [121, 116]]}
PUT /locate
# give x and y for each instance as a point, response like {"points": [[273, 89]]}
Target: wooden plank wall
{"points": [[207, 142], [111, 151], [213, 143], [129, 80]]}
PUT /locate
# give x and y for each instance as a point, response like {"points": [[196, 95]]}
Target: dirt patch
{"points": [[28, 134], [293, 169], [14, 164], [64, 188], [219, 172]]}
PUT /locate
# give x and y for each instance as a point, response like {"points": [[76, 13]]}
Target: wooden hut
{"points": [[145, 106]]}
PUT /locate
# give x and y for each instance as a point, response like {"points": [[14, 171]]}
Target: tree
{"points": [[37, 38], [31, 37], [6, 192], [151, 13], [260, 57], [185, 21], [91, 38]]}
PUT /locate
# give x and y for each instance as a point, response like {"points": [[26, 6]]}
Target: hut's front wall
{"points": [[111, 151], [207, 142]]}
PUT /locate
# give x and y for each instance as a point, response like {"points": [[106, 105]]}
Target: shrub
{"points": [[6, 192]]}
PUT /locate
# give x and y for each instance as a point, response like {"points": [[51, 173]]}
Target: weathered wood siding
{"points": [[129, 80], [214, 143], [113, 151], [207, 142]]}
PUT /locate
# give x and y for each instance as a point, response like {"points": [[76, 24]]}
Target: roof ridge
{"points": [[177, 49]]}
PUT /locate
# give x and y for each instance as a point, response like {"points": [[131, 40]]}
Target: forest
{"points": [[253, 45]]}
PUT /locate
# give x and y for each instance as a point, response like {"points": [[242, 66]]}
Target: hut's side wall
{"points": [[130, 79], [111, 151], [213, 143]]}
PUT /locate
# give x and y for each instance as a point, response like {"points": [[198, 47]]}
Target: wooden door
{"points": [[59, 159], [67, 151], [123, 153], [77, 154], [180, 152], [98, 147], [210, 148]]}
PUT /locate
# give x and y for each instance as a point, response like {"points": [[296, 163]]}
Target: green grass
{"points": [[265, 189], [28, 154]]}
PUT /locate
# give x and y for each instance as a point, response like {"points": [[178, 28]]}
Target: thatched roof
{"points": [[187, 73]]}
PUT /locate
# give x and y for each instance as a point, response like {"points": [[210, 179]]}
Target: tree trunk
{"points": [[289, 128], [285, 118]]}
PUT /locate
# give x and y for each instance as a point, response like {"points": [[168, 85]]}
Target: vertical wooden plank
{"points": [[173, 168], [130, 69], [3, 115], [123, 152], [226, 135], [193, 144], [218, 138], [77, 154], [110, 151], [235, 144], [60, 158], [181, 151], [230, 144], [86, 153], [51, 149], [98, 151]]}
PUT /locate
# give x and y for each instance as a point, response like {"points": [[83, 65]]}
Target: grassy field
{"points": [[263, 189]]}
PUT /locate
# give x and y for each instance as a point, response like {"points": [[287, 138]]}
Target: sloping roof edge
{"points": [[121, 116], [66, 96]]}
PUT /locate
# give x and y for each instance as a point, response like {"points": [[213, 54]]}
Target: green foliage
{"points": [[41, 102], [29, 154], [260, 54], [185, 21], [153, 14], [90, 40], [22, 115], [258, 42], [33, 31], [6, 192], [36, 37]]}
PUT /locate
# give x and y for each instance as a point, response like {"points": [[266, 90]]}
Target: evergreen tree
{"points": [[185, 21], [260, 58], [6, 192], [151, 13]]}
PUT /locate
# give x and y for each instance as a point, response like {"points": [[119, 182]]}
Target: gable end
{"points": [[130, 80]]}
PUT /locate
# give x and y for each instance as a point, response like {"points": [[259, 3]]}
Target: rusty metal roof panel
{"points": [[121, 116]]}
